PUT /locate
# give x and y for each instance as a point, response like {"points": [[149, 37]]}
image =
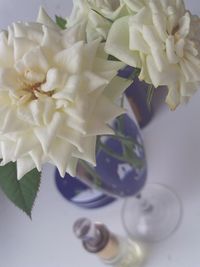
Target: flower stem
{"points": [[93, 178]]}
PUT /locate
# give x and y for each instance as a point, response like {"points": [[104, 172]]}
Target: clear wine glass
{"points": [[152, 215], [151, 212]]}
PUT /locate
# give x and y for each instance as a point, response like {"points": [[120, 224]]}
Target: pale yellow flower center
{"points": [[31, 90]]}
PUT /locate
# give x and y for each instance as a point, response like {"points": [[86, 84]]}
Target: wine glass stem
{"points": [[145, 205]]}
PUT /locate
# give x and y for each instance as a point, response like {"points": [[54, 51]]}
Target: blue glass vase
{"points": [[115, 177]]}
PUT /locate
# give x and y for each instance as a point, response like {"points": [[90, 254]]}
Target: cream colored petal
{"points": [[22, 45], [4, 111], [24, 165], [36, 60], [24, 99], [51, 41], [44, 18], [159, 21], [74, 34], [194, 60], [6, 53], [137, 42], [73, 137], [97, 27], [160, 59], [80, 110], [116, 87], [12, 123], [89, 53], [76, 124], [47, 134], [117, 43], [98, 20], [190, 70], [173, 97], [170, 50], [60, 153], [61, 104], [19, 29], [179, 48], [93, 81], [25, 144], [144, 74], [71, 88], [79, 11], [173, 19], [10, 137], [190, 47], [117, 11], [10, 35], [36, 109], [184, 25], [152, 38], [55, 79], [9, 79], [89, 150], [143, 17], [37, 156], [7, 151], [134, 5], [167, 76], [65, 95], [34, 77], [31, 31], [107, 69], [180, 6], [24, 113], [106, 110], [48, 111], [72, 167], [98, 127], [71, 59]]}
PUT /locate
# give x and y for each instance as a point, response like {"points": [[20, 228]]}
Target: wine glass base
{"points": [[154, 216]]}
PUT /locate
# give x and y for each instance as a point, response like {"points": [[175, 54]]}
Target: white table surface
{"points": [[172, 142]]}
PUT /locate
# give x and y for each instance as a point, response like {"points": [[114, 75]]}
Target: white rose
{"points": [[160, 39], [98, 16], [56, 96]]}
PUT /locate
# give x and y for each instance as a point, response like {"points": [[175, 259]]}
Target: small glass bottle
{"points": [[110, 248]]}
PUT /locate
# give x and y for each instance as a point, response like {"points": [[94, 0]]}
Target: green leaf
{"points": [[21, 192], [61, 22]]}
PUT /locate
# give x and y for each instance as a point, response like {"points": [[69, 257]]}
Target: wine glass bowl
{"points": [[154, 216]]}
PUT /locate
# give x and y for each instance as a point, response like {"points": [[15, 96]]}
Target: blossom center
{"points": [[31, 90], [175, 30], [36, 90]]}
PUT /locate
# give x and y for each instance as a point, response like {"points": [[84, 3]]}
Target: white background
{"points": [[172, 142]]}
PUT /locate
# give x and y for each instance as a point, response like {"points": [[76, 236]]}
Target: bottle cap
{"points": [[94, 236]]}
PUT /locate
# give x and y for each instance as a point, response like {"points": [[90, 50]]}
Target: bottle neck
{"points": [[99, 240]]}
